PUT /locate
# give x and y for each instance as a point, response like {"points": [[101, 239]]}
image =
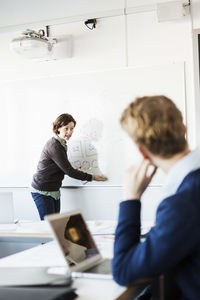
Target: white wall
{"points": [[117, 42]]}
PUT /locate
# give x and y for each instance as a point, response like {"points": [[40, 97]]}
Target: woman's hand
{"points": [[99, 178], [136, 180]]}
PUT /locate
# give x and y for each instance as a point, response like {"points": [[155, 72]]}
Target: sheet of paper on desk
{"points": [[102, 226]]}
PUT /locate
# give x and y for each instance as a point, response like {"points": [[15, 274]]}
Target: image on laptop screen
{"points": [[74, 238]]}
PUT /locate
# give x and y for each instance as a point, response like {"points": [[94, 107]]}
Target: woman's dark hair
{"points": [[62, 120]]}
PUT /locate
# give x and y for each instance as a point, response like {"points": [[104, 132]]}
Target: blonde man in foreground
{"points": [[173, 245]]}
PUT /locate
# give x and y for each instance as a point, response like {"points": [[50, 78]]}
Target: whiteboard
{"points": [[96, 101]]}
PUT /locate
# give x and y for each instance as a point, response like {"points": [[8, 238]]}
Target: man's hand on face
{"points": [[137, 178]]}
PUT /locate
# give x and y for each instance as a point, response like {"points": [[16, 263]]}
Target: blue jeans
{"points": [[46, 205]]}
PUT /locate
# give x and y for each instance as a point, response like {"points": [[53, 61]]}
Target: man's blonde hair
{"points": [[157, 124]]}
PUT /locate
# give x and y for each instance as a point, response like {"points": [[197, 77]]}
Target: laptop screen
{"points": [[74, 238]]}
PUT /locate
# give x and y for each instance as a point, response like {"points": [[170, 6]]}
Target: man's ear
{"points": [[143, 152]]}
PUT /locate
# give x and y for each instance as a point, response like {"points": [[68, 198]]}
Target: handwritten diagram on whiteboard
{"points": [[82, 152]]}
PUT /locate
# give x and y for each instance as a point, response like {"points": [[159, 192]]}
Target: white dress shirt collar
{"points": [[180, 170]]}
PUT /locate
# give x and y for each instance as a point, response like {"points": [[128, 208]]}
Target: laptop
{"points": [[7, 208], [78, 247]]}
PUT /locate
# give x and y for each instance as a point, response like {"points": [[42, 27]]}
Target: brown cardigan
{"points": [[52, 167]]}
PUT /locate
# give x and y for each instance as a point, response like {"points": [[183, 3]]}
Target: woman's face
{"points": [[65, 132]]}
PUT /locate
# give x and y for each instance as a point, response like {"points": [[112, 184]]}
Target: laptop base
{"points": [[100, 271], [104, 267]]}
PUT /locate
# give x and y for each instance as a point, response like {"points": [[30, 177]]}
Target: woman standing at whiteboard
{"points": [[52, 167]]}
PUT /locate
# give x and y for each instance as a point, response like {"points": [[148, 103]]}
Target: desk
{"points": [[22, 235], [93, 289], [27, 234], [87, 289]]}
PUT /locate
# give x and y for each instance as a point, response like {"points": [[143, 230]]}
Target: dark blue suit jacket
{"points": [[172, 245]]}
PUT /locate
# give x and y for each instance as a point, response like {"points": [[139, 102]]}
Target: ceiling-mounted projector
{"points": [[35, 45]]}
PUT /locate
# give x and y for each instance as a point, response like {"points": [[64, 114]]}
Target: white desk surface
{"points": [[26, 228], [93, 289], [87, 289], [41, 228]]}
